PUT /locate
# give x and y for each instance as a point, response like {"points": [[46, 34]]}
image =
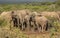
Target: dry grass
{"points": [[16, 33]]}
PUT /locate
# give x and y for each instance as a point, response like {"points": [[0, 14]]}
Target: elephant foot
{"points": [[23, 30]]}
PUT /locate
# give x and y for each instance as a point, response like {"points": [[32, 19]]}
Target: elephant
{"points": [[24, 19], [27, 22], [22, 15], [54, 15], [14, 18], [32, 21], [41, 22]]}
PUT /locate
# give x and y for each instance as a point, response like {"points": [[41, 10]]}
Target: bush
{"points": [[37, 6], [55, 24], [3, 22]]}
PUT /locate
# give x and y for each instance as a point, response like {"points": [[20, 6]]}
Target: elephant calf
{"points": [[41, 22]]}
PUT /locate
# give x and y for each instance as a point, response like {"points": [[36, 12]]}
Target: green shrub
{"points": [[37, 6], [3, 22], [54, 23]]}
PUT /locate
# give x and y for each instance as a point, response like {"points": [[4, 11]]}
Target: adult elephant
{"points": [[18, 18], [14, 18], [41, 22], [54, 15], [32, 22], [22, 14], [27, 22]]}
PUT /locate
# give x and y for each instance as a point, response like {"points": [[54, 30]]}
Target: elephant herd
{"points": [[30, 21]]}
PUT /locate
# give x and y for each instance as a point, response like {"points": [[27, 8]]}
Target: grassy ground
{"points": [[16, 33]]}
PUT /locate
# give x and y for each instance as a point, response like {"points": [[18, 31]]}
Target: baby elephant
{"points": [[41, 22]]}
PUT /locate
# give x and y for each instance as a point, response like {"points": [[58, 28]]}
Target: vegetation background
{"points": [[35, 6]]}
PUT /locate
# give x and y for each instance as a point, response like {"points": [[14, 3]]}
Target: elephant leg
{"points": [[15, 23], [28, 26], [34, 26], [31, 26], [22, 25], [39, 27], [25, 25], [45, 26], [35, 29], [18, 22], [42, 28]]}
